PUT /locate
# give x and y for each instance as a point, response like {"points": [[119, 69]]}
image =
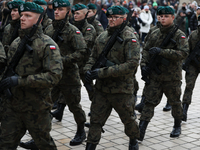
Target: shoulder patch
{"points": [[135, 32], [52, 47], [99, 24], [183, 37], [78, 32], [134, 40], [88, 29]]}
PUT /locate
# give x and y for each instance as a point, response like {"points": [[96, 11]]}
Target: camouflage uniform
{"points": [[169, 81], [46, 22], [193, 69], [114, 87], [72, 49], [29, 108]]}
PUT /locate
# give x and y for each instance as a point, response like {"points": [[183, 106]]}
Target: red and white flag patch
{"points": [[52, 47], [88, 29], [99, 24], [183, 37], [135, 32], [134, 40], [78, 32]]}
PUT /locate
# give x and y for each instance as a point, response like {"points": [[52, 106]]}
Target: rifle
{"points": [[56, 35], [23, 46], [192, 57], [156, 59], [102, 60]]}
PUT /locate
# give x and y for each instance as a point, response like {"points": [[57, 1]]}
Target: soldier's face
{"points": [[60, 13], [91, 13], [79, 15], [15, 14], [115, 20], [166, 19], [28, 19]]}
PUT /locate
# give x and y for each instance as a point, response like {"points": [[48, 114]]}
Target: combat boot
{"points": [[176, 129], [139, 107], [185, 109], [29, 145], [90, 146], [80, 135], [167, 107], [142, 126], [133, 144], [58, 114]]}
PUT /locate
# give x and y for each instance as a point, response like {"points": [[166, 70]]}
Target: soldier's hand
{"points": [[145, 71], [154, 50], [95, 73], [88, 77], [9, 82]]}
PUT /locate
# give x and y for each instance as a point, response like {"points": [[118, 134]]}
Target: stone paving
{"points": [[157, 135]]}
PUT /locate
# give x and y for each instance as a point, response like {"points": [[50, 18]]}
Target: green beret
{"points": [[157, 11], [40, 2], [126, 10], [91, 6], [78, 7], [116, 10], [60, 3], [32, 7], [14, 4], [166, 10]]}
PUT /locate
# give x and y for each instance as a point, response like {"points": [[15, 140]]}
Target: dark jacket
{"points": [[193, 22]]}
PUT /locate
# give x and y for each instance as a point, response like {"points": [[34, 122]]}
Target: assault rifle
{"points": [[192, 57], [102, 60], [56, 35], [156, 59], [23, 46]]}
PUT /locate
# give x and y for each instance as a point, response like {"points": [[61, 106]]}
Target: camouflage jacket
{"points": [[119, 77], [174, 53], [2, 58], [46, 22], [133, 30], [73, 50], [96, 24], [38, 71]]}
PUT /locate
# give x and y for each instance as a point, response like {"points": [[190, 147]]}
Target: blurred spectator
{"points": [[193, 20], [125, 4], [144, 3], [154, 15], [147, 19], [138, 3], [184, 25], [183, 8], [50, 10], [189, 13], [131, 5], [176, 7]]}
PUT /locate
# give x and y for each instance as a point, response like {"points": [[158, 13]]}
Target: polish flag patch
{"points": [[135, 32], [88, 29], [134, 41], [99, 24], [183, 37], [52, 47], [78, 32]]}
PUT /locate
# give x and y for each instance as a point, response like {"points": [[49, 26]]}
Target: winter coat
{"points": [[147, 19]]}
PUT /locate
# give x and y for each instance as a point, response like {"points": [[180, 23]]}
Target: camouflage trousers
{"points": [[14, 126], [101, 108], [154, 92], [70, 95], [190, 78]]}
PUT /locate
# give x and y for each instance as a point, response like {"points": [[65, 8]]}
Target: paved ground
{"points": [[157, 135]]}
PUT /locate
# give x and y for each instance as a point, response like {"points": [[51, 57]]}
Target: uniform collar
{"points": [[166, 30]]}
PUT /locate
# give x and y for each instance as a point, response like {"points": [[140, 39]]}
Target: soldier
{"points": [[169, 81], [192, 72], [11, 30], [39, 69], [73, 50], [46, 20], [91, 18], [114, 84]]}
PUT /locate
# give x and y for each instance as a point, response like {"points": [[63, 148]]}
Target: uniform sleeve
{"points": [[99, 29], [181, 51], [52, 70], [90, 36], [132, 56], [5, 39], [145, 54]]}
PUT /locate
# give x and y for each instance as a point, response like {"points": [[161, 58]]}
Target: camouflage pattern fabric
{"points": [[96, 24], [193, 69], [46, 22]]}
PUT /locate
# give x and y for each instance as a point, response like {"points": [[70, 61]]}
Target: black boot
{"points": [[80, 135], [133, 144], [185, 109], [167, 107], [143, 126], [139, 107], [90, 146], [29, 145], [58, 114], [87, 124], [176, 129], [55, 105]]}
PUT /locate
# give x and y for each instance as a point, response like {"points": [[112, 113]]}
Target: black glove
{"points": [[154, 50], [143, 24], [9, 82], [145, 71], [95, 73], [88, 77]]}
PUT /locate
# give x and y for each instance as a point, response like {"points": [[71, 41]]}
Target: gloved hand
{"points": [[9, 82], [95, 73], [143, 24], [145, 71], [154, 50], [88, 76]]}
